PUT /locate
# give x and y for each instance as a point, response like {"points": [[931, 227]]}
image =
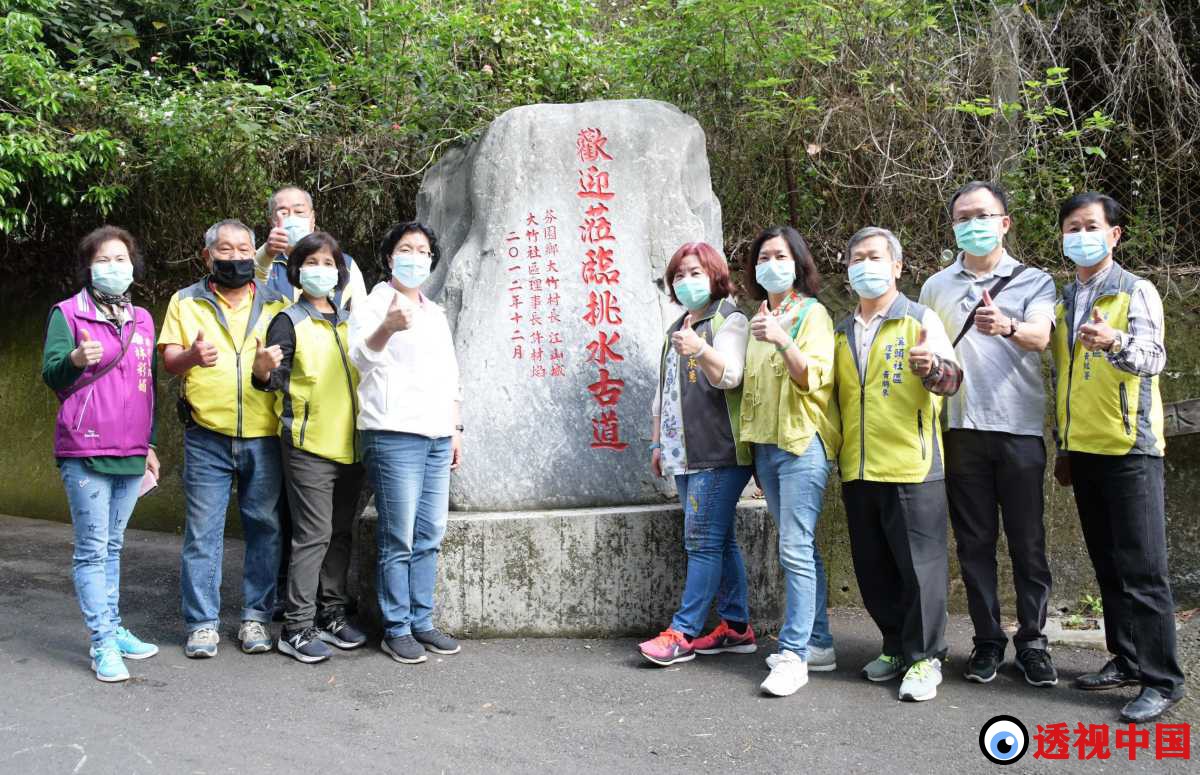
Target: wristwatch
{"points": [[1012, 329], [458, 428], [1118, 343]]}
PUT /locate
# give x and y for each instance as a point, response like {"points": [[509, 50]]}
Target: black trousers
{"points": [[989, 476], [323, 496], [1122, 512], [898, 545]]}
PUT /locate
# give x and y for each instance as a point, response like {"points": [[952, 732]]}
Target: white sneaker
{"points": [[788, 674], [921, 681]]}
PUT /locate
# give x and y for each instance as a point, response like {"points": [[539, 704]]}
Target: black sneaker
{"points": [[984, 662], [437, 641], [305, 645], [336, 630], [404, 648], [1037, 667]]}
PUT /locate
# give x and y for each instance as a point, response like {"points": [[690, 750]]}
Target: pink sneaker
{"points": [[669, 647], [723, 640]]}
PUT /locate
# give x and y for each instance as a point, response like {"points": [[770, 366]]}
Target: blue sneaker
{"points": [[106, 661], [133, 647]]}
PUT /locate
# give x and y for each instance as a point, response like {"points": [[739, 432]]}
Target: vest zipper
{"points": [[353, 393], [304, 425], [87, 399], [1124, 407], [862, 410], [921, 432], [239, 392]]}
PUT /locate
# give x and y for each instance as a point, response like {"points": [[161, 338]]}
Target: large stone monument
{"points": [[555, 229]]}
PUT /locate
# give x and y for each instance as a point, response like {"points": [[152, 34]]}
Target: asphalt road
{"points": [[500, 706]]}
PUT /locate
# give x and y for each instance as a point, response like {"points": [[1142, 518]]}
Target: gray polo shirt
{"points": [[1002, 386]]}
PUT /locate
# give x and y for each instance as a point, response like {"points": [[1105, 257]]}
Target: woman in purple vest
{"points": [[99, 359]]}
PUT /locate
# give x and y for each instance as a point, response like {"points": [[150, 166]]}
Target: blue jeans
{"points": [[101, 505], [795, 488], [411, 477], [714, 560], [213, 464]]}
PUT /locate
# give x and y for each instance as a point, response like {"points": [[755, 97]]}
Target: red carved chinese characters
{"points": [[602, 312]]}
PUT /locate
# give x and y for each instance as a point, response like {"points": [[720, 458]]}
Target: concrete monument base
{"points": [[574, 572]]}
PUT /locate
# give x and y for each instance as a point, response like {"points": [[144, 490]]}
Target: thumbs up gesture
{"points": [[1097, 334], [920, 358], [400, 315], [764, 327], [990, 320], [277, 240], [266, 359], [203, 353], [88, 352], [686, 341]]}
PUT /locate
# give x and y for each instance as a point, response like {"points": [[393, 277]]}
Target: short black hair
{"points": [[395, 233], [807, 279], [311, 244], [979, 185], [1113, 212], [92, 242]]}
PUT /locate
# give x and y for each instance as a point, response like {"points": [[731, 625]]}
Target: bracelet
{"points": [[786, 347], [653, 446]]}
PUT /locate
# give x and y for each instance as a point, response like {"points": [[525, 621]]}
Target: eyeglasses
{"points": [[960, 220]]}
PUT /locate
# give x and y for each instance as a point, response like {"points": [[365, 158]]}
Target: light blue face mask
{"points": [[978, 236], [1085, 248], [318, 280], [112, 277], [411, 270], [775, 276], [693, 292], [297, 227], [871, 279]]}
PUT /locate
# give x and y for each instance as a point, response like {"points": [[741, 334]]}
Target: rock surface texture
{"points": [[555, 228]]}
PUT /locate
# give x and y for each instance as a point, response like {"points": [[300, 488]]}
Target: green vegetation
{"points": [[164, 115]]}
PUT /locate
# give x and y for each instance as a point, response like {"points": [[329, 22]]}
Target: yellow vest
{"points": [[221, 396], [318, 405], [1100, 408], [890, 428]]}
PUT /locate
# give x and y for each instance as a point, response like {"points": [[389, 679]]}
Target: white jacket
{"points": [[411, 385]]}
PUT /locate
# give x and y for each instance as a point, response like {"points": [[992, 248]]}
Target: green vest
{"points": [[1100, 408], [890, 428], [318, 406]]}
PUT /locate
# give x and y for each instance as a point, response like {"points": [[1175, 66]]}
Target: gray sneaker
{"points": [[255, 637], [821, 660], [921, 681], [883, 668], [404, 648], [437, 641], [202, 643]]}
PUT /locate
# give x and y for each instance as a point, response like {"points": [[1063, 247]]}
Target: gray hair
{"points": [[214, 232], [874, 231], [278, 191]]}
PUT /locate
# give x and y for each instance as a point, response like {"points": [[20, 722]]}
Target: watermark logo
{"points": [[1003, 739]]}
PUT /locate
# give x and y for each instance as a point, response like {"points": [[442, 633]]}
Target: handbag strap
{"points": [[994, 291]]}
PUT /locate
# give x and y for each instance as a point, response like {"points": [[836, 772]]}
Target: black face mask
{"points": [[233, 274]]}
